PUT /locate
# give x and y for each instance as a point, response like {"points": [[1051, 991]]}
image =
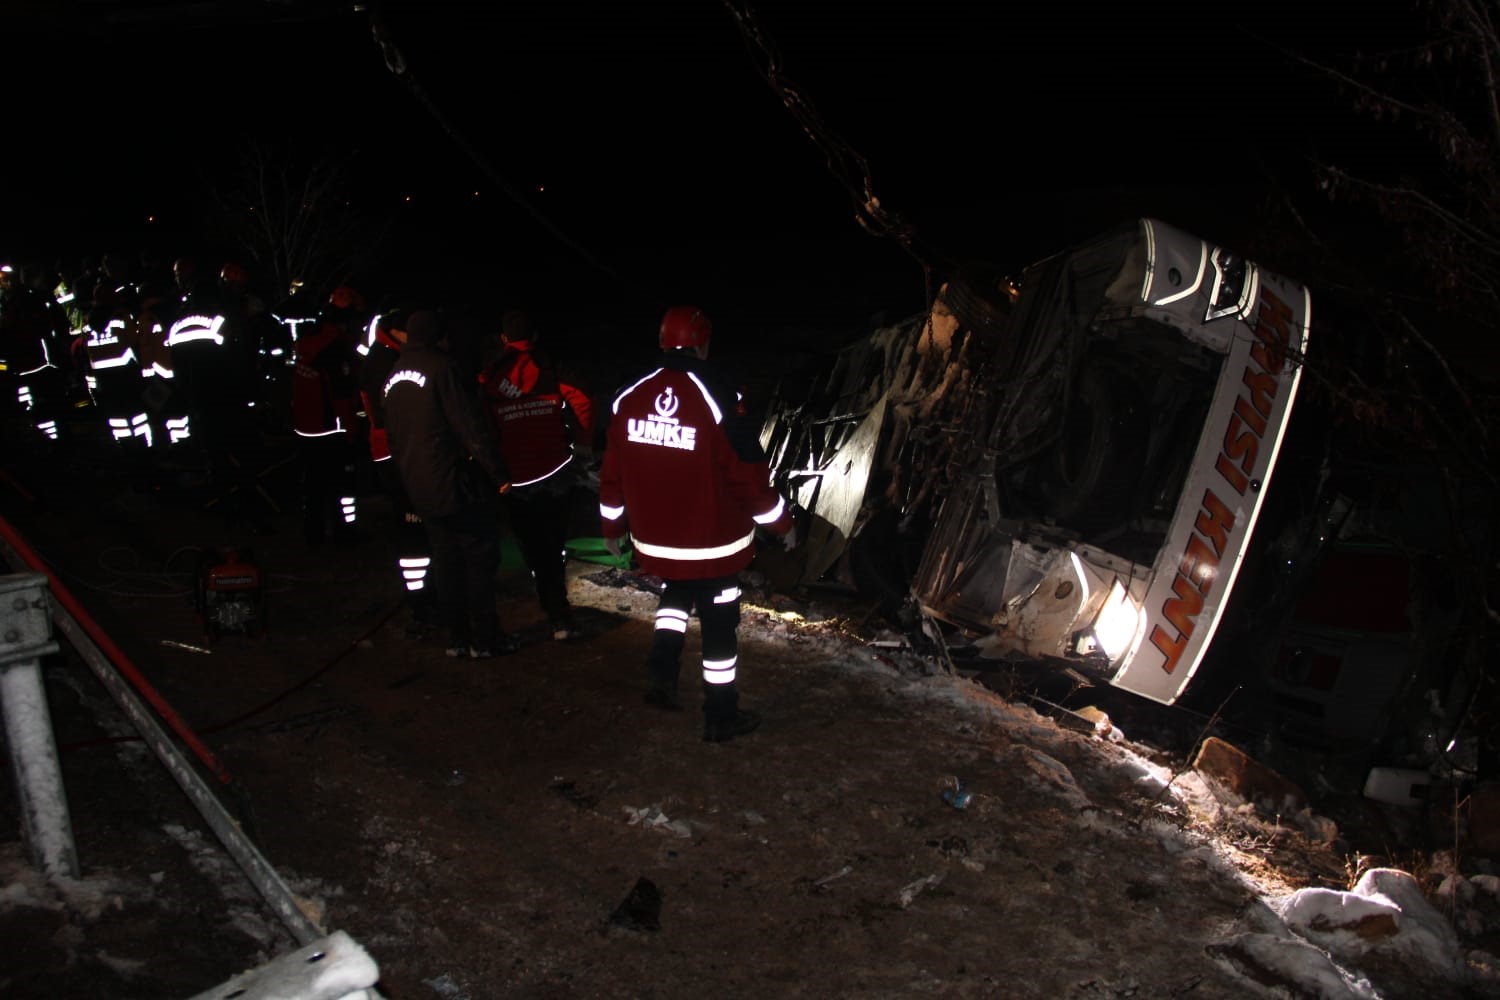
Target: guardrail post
{"points": [[26, 636]]}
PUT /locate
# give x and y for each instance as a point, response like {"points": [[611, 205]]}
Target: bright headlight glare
{"points": [[1118, 621]]}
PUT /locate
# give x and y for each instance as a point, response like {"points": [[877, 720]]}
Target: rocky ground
{"points": [[527, 827]]}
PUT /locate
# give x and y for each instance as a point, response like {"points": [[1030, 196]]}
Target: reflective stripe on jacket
{"points": [[536, 415], [684, 477]]}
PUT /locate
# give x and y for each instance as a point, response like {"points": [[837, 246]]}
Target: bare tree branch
{"points": [[294, 217]]}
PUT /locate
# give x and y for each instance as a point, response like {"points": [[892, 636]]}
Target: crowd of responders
{"points": [[170, 371]]}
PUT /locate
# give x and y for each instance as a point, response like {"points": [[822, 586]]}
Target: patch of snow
{"points": [[25, 886], [1289, 964], [447, 987], [1148, 777], [1384, 913], [1048, 774]]}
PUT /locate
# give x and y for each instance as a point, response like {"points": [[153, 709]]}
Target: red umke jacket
{"points": [[325, 394], [537, 416], [685, 476]]}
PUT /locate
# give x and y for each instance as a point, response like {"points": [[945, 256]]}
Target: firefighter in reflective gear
{"points": [[109, 343], [157, 306], [685, 476], [207, 375], [442, 443], [545, 428], [72, 296], [413, 555], [65, 294], [187, 327], [224, 392], [254, 332], [296, 316], [325, 408], [33, 352]]}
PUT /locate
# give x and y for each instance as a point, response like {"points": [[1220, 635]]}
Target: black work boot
{"points": [[723, 730], [662, 698]]}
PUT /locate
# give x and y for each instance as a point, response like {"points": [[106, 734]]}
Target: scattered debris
{"points": [[568, 790], [1078, 722], [190, 648], [958, 796], [445, 986], [641, 909], [652, 816], [910, 892], [1099, 718], [1247, 778], [820, 883]]}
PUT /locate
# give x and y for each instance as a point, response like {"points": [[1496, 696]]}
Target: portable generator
{"points": [[230, 594]]}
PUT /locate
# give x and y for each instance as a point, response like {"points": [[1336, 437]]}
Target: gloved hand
{"points": [[613, 545]]}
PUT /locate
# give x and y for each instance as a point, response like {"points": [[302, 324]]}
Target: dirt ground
{"points": [[528, 827]]}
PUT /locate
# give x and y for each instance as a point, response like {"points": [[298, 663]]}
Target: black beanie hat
{"points": [[424, 326]]}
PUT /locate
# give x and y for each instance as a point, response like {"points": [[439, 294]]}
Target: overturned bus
{"points": [[1113, 466], [1112, 474], [1084, 458]]}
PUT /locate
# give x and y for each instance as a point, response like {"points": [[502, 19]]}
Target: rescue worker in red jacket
{"points": [[325, 407], [545, 428], [413, 555], [685, 476]]}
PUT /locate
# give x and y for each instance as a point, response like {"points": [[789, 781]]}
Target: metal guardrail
{"points": [[328, 967], [26, 636]]}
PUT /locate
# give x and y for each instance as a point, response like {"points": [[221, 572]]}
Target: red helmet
{"points": [[235, 274], [344, 297], [685, 326]]}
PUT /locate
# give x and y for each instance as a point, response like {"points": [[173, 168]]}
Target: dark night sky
{"points": [[661, 163]]}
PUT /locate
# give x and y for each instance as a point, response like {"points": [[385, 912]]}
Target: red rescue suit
{"points": [[538, 418], [325, 408], [537, 415], [325, 400], [684, 476]]}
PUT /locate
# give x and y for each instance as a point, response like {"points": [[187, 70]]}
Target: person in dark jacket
{"points": [[210, 369], [111, 362], [413, 555], [546, 431], [33, 351], [685, 475], [453, 474]]}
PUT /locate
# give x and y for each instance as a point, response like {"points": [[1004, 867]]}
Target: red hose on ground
{"points": [[116, 656]]}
